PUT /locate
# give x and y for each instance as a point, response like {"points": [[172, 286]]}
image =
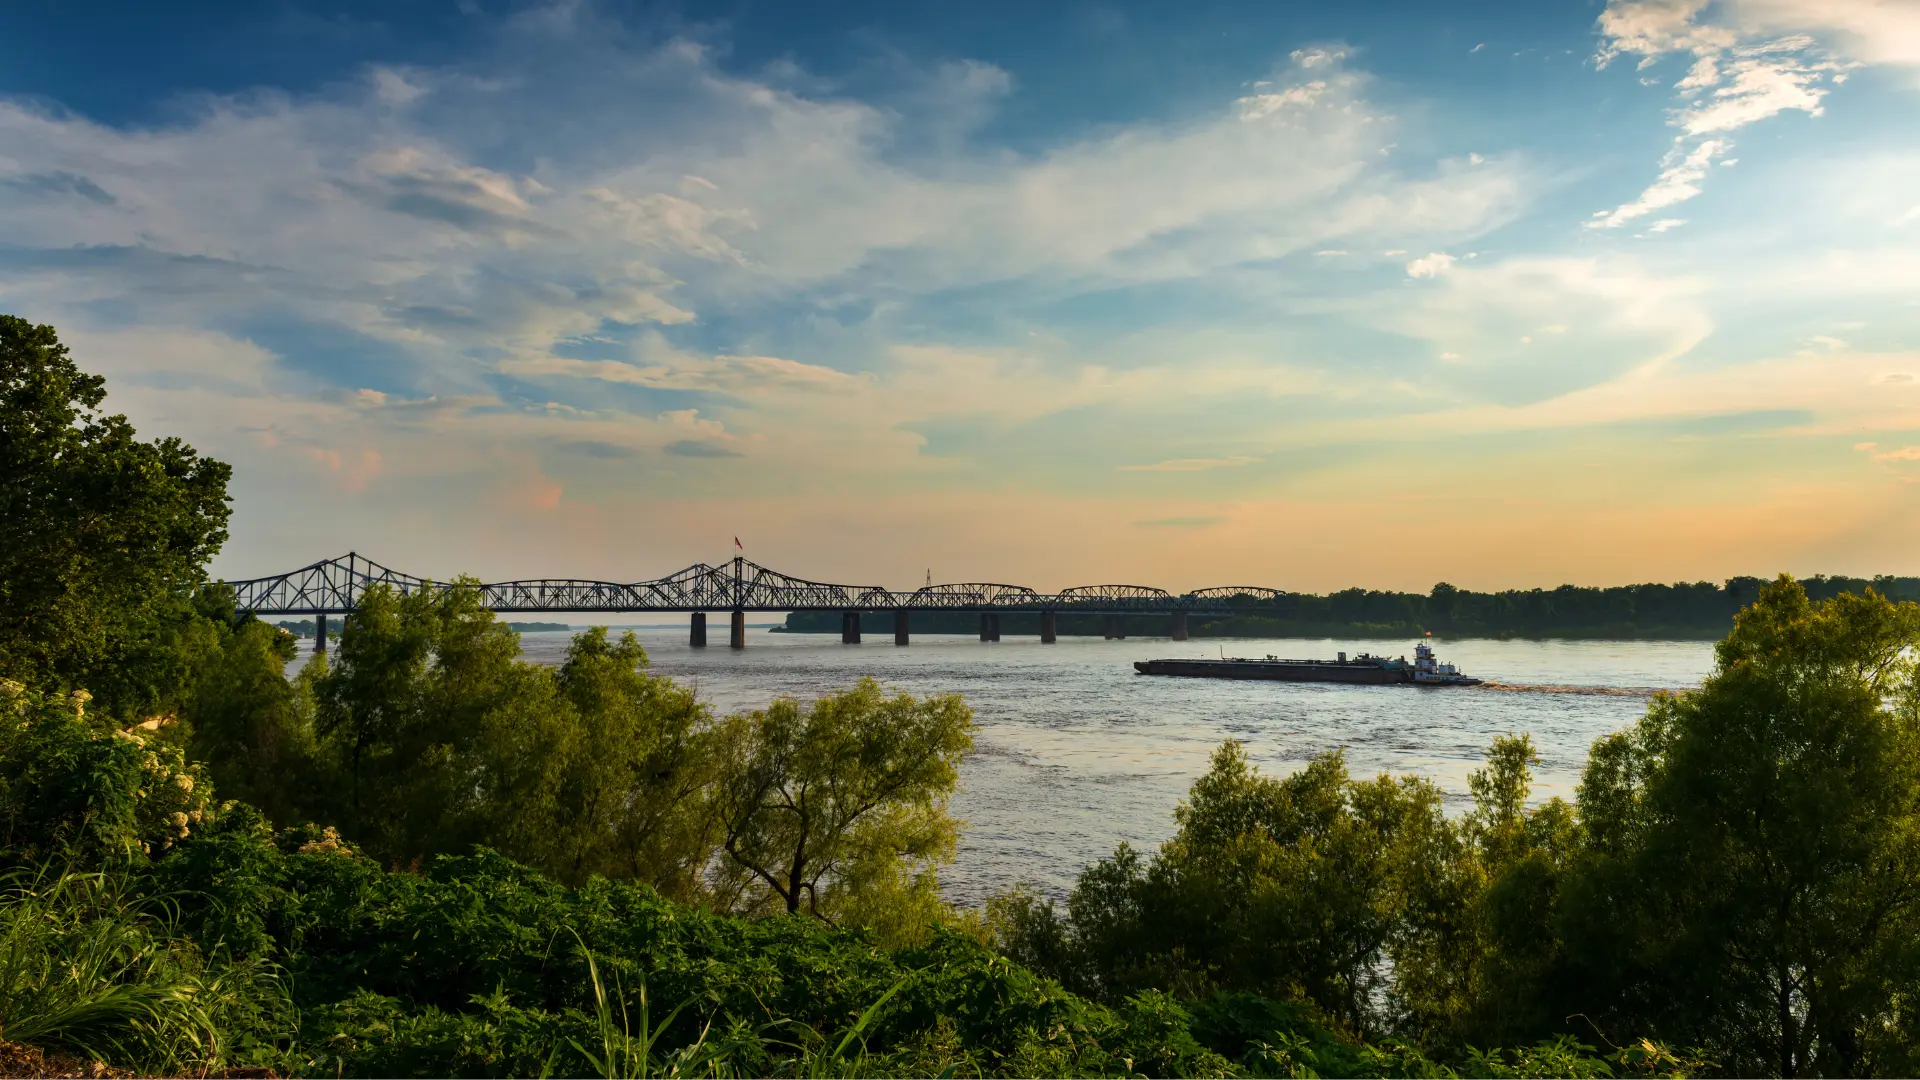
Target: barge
{"points": [[1425, 670]]}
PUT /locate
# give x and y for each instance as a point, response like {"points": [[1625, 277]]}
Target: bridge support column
{"points": [[738, 639], [320, 633], [900, 626], [849, 628], [1116, 628], [1179, 626], [1049, 628], [697, 633], [986, 626]]}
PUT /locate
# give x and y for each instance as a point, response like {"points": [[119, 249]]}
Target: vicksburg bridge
{"points": [[334, 587]]}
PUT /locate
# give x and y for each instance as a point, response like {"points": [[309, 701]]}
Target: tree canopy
{"points": [[103, 538]]}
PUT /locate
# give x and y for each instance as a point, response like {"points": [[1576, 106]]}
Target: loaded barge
{"points": [[1372, 670]]}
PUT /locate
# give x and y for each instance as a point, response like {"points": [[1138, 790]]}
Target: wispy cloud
{"points": [[1179, 523], [1734, 81], [1183, 465]]}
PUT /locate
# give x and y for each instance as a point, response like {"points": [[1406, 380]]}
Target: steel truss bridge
{"points": [[335, 587]]}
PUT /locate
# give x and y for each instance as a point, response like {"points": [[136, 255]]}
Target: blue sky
{"points": [[1305, 295]]}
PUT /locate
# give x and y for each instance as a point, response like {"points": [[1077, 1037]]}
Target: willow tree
{"points": [[839, 809]]}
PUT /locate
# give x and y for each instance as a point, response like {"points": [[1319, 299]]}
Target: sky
{"points": [[1375, 293]]}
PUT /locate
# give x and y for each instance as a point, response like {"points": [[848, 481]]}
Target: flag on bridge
{"points": [[736, 543]]}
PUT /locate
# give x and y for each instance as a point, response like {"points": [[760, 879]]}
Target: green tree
{"points": [[1308, 887], [1752, 878], [1469, 970], [252, 725], [413, 687], [839, 809], [613, 777], [103, 538]]}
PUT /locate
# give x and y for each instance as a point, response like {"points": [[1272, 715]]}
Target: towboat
{"points": [[1425, 670]]}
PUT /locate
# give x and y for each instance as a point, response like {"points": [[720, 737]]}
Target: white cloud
{"points": [[1492, 312], [1679, 180], [1318, 57], [1871, 31], [1260, 106], [1430, 266], [1741, 73], [419, 284]]}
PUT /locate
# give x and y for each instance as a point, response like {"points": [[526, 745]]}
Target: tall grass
{"points": [[624, 1053], [86, 966]]}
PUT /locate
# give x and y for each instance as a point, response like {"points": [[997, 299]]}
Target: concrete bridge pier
{"points": [[1116, 628], [900, 626], [738, 639], [989, 626], [849, 628], [1049, 628], [1179, 626], [697, 632], [320, 633]]}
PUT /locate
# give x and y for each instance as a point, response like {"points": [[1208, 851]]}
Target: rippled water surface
{"points": [[1076, 753]]}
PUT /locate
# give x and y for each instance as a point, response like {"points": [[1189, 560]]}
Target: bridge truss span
{"points": [[336, 586]]}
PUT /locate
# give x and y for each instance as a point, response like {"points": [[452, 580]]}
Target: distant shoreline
{"points": [[1350, 633]]}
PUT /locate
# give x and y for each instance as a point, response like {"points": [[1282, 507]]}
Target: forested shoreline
{"points": [[1685, 611], [423, 855]]}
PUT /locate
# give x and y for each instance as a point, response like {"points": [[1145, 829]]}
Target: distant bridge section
{"points": [[335, 586]]}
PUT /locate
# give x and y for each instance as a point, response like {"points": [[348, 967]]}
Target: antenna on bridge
{"points": [[929, 577]]}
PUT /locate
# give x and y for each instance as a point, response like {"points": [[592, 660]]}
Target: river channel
{"points": [[1075, 753]]}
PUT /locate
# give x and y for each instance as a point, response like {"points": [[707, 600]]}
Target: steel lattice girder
{"points": [[334, 586]]}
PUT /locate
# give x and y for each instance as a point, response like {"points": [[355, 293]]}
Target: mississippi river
{"points": [[1075, 752]]}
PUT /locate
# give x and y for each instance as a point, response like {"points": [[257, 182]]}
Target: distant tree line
{"points": [[1683, 611]]}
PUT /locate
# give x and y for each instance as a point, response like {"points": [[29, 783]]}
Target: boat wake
{"points": [[1590, 691]]}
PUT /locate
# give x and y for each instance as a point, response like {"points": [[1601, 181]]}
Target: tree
{"points": [[1307, 887], [415, 683], [612, 779], [102, 537], [827, 809], [252, 725], [1481, 937], [1752, 878]]}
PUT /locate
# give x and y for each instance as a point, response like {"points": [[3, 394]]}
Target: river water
{"points": [[1075, 753]]}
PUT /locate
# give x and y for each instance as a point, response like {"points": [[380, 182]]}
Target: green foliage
{"points": [[102, 537], [1299, 888], [89, 966], [253, 727], [440, 738], [632, 795], [79, 790], [840, 809], [1755, 847]]}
